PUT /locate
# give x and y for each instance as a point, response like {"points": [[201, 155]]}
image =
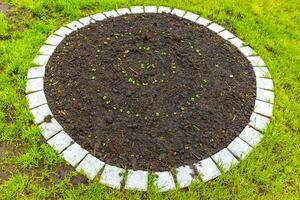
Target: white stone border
{"points": [[112, 176]]}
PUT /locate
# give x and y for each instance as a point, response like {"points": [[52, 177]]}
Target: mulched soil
{"points": [[150, 91]]}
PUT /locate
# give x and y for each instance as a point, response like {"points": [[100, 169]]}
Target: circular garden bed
{"points": [[148, 91]]}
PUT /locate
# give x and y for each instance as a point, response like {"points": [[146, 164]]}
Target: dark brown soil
{"points": [[150, 91]]}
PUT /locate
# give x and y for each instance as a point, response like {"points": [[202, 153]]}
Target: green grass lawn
{"points": [[29, 169]]}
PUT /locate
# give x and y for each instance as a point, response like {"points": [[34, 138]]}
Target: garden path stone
{"points": [[54, 40], [226, 35], [90, 166], [112, 176], [150, 9], [137, 9], [40, 113], [164, 181], [41, 60], [263, 108], [225, 159], [251, 136], [137, 180], [86, 20], [74, 154], [178, 12], [262, 72], [163, 9], [215, 27], [75, 25], [259, 122], [98, 17], [51, 128], [123, 11], [265, 95], [191, 16], [236, 42], [60, 141], [36, 99], [111, 13], [34, 85], [36, 72], [184, 176], [246, 51], [63, 32], [47, 50], [203, 21], [207, 169], [256, 61], [264, 83], [239, 148]]}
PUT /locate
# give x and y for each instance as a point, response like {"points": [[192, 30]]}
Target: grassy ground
{"points": [[29, 169]]}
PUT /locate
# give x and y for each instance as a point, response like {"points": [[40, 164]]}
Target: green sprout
{"points": [[157, 114], [105, 97], [130, 80], [173, 66], [146, 48]]}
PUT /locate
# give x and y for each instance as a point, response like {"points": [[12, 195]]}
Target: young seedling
{"points": [[196, 127], [146, 48]]}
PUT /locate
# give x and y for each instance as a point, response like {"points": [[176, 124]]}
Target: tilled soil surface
{"points": [[150, 91]]}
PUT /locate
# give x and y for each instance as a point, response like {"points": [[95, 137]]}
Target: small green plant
{"points": [[146, 48]]}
